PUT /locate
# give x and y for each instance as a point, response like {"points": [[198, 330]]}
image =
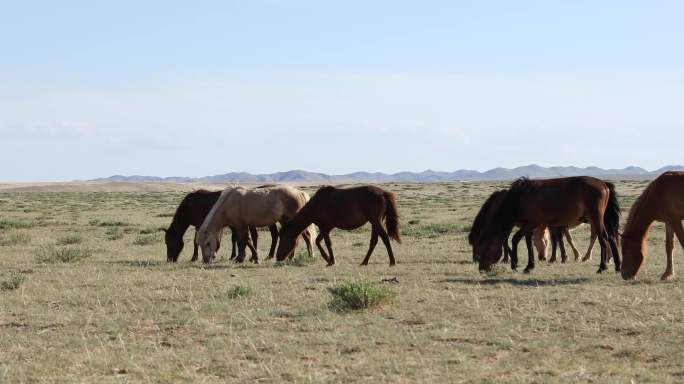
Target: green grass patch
{"points": [[301, 259], [70, 239], [15, 239], [50, 254], [240, 291], [114, 234], [14, 281], [359, 295], [113, 223], [14, 224], [143, 239]]}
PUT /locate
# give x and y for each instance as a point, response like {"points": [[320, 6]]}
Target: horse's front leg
{"points": [[274, 240], [530, 252], [242, 234], [514, 248], [669, 249], [324, 255]]}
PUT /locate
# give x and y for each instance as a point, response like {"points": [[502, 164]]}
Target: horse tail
{"points": [[611, 217], [392, 217]]}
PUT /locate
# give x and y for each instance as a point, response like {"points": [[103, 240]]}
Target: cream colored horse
{"points": [[542, 245], [240, 207]]}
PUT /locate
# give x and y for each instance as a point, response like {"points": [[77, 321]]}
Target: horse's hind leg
{"points": [[371, 246], [570, 240], [587, 256], [564, 255], [274, 240], [386, 241]]}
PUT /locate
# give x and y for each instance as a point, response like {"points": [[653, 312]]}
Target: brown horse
{"points": [[192, 211], [539, 236], [662, 200], [552, 203], [241, 208], [346, 209]]}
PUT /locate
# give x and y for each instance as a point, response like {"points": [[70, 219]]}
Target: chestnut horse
{"points": [[347, 209], [241, 208], [552, 203], [192, 211], [662, 200]]}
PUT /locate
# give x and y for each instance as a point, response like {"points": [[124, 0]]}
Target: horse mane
{"points": [[507, 212], [479, 222], [636, 207], [217, 206]]}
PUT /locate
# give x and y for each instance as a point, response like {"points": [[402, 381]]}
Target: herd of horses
{"points": [[536, 207]]}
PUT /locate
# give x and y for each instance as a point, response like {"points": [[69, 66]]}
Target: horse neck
{"points": [[179, 225], [302, 219], [640, 221]]}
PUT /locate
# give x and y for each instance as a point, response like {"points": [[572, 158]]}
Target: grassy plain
{"points": [[87, 296]]}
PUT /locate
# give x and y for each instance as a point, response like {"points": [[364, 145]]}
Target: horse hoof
{"points": [[527, 271], [393, 264]]}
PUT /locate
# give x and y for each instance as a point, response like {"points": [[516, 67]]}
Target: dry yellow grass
{"points": [[124, 315]]}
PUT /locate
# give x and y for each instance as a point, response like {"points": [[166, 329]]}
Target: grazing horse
{"points": [[192, 211], [662, 200], [347, 209], [241, 208], [540, 234], [552, 203]]}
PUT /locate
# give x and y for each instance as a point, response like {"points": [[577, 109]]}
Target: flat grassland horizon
{"points": [[86, 295]]}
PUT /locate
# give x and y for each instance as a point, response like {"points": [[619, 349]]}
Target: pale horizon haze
{"points": [[89, 89]]}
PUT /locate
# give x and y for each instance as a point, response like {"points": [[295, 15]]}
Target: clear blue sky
{"points": [[199, 88]]}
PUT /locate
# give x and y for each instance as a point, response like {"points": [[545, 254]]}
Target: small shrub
{"points": [[113, 223], [70, 240], [240, 291], [114, 234], [149, 230], [145, 239], [14, 239], [50, 254], [301, 259], [358, 295], [14, 224], [15, 281]]}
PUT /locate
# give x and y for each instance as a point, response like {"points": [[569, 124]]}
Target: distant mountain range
{"points": [[299, 176]]}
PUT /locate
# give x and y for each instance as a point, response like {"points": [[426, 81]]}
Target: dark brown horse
{"points": [[192, 211], [346, 209], [485, 215], [552, 203]]}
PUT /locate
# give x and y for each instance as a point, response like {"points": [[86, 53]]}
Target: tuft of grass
{"points": [[113, 223], [240, 291], [15, 280], [70, 240], [114, 234], [359, 295], [14, 224], [143, 239], [50, 254], [14, 239], [149, 230], [301, 259]]}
